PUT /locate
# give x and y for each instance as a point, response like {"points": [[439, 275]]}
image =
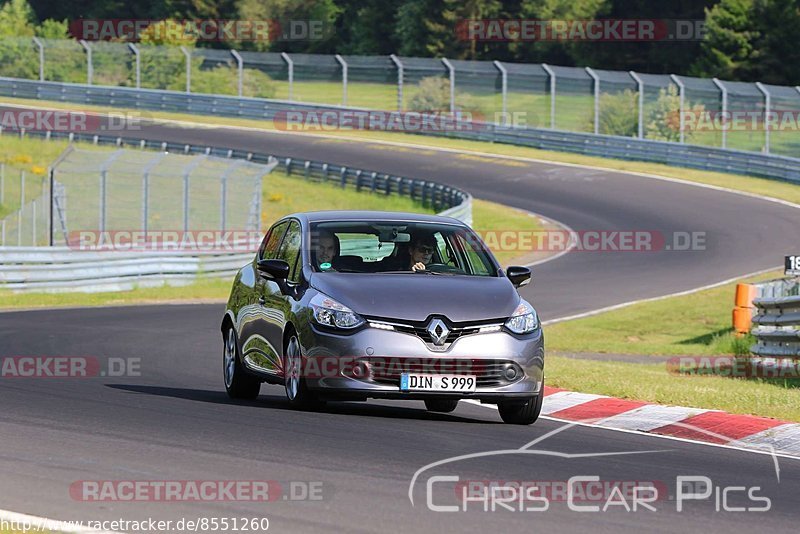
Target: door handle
{"points": [[262, 300]]}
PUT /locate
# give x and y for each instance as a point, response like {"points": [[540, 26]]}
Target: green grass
{"points": [[695, 324], [652, 383], [30, 156]]}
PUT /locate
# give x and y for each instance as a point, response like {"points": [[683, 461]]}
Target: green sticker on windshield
{"points": [[325, 266]]}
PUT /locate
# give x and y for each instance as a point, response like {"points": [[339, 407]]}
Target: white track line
{"points": [[653, 299]]}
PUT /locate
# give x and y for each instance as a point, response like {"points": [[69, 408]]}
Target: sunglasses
{"points": [[425, 249]]}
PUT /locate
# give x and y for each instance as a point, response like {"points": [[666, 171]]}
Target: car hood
{"points": [[414, 297]]}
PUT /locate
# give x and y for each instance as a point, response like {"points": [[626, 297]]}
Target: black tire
{"points": [[297, 392], [518, 413], [238, 383], [441, 405]]}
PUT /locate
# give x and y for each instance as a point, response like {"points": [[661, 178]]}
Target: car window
{"points": [[384, 246], [289, 250], [366, 246], [269, 247]]}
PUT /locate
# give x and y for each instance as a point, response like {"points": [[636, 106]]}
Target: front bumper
{"points": [[367, 363]]}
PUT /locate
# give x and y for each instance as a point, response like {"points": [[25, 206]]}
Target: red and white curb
{"points": [[693, 424]]}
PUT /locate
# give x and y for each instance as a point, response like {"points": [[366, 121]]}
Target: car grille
{"points": [[487, 372], [420, 329]]}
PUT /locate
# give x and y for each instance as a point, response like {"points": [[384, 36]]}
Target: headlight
{"points": [[524, 319], [328, 312]]}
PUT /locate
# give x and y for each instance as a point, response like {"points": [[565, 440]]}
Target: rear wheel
{"points": [[238, 383], [521, 413], [441, 405], [297, 391]]}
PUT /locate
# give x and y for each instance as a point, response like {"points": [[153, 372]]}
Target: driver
{"points": [[421, 250], [327, 248]]}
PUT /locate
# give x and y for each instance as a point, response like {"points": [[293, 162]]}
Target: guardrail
{"points": [[62, 268], [66, 269], [608, 146], [777, 320]]}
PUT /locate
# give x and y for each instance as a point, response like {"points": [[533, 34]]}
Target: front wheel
{"points": [[521, 413], [238, 383], [441, 405], [297, 392]]}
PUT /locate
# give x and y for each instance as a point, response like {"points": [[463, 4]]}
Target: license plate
{"points": [[457, 383]]}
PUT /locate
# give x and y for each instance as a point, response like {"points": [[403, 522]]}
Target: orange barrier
{"points": [[743, 310]]}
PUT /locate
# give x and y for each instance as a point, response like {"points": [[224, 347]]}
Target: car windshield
{"points": [[398, 247]]}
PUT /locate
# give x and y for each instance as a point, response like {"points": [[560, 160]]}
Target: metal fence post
{"points": [[596, 79], [2, 182], [89, 64], [552, 75], [188, 55], [767, 110], [724, 92], [186, 202], [102, 225], [290, 66], [138, 61], [40, 46], [640, 90], [239, 70], [452, 71], [504, 88], [33, 222], [399, 65], [681, 104], [51, 193], [21, 205], [223, 200], [343, 63]]}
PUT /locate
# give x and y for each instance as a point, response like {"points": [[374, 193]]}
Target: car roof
{"points": [[376, 216]]}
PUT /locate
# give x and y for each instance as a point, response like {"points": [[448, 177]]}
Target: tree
{"points": [[17, 19], [728, 46]]}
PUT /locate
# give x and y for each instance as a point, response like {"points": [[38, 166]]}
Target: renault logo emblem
{"points": [[438, 331]]}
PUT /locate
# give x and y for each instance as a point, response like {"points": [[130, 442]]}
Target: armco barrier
{"points": [[777, 321], [674, 154], [65, 269]]}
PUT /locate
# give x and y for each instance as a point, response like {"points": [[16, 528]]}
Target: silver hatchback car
{"points": [[351, 305]]}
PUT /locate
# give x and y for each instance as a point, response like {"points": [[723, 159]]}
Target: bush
{"points": [[432, 94], [663, 118], [224, 80], [618, 114]]}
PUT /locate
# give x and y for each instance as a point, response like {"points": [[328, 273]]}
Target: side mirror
{"points": [[519, 276], [277, 269]]}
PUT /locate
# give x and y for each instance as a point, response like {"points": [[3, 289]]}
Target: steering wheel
{"points": [[442, 268]]}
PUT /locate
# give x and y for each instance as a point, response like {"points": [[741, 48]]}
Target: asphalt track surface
{"points": [[174, 422]]}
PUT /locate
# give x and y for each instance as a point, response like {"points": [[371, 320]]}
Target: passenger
{"points": [[327, 248], [421, 251]]}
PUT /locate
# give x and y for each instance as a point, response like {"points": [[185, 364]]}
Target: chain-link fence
{"points": [[745, 116], [124, 190], [24, 207]]}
